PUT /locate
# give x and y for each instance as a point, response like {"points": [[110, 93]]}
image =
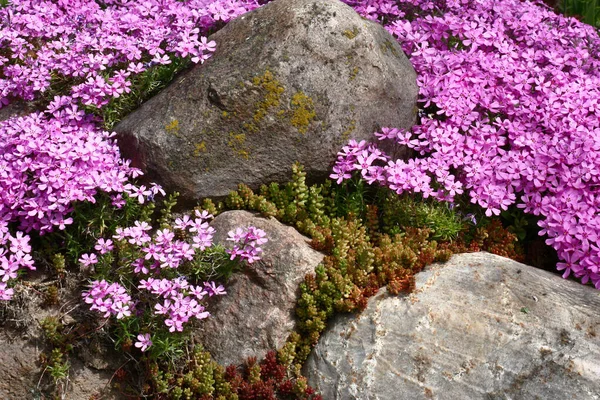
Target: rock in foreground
{"points": [[291, 81], [257, 314], [477, 327]]}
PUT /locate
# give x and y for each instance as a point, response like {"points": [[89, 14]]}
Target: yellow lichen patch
{"points": [[351, 34], [389, 46], [199, 148], [353, 73], [225, 114], [173, 127], [303, 111], [346, 134], [237, 141], [272, 89], [207, 132], [250, 127]]}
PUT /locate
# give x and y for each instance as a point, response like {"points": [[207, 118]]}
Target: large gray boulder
{"points": [[479, 327], [291, 81], [257, 314]]}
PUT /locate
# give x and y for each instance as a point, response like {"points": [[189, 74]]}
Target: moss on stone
{"points": [[388, 46], [303, 111], [351, 34], [199, 148], [348, 131], [237, 142], [250, 127], [173, 127], [273, 89]]}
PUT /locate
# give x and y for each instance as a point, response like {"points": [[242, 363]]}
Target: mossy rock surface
{"points": [[290, 81]]}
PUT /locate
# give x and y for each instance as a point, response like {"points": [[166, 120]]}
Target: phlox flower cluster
{"points": [[156, 259], [57, 156], [180, 300], [101, 44], [47, 164], [246, 243], [109, 299], [14, 255], [510, 94]]}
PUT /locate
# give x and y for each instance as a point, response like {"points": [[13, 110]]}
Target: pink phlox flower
{"points": [[104, 246], [203, 215], [570, 261], [19, 243], [198, 291], [88, 259], [143, 342], [183, 223], [213, 289], [6, 293]]}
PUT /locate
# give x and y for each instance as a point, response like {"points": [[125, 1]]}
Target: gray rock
{"points": [[479, 327], [15, 109], [23, 346], [257, 314], [25, 378], [18, 367], [290, 81]]}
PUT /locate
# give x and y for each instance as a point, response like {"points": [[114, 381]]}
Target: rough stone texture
{"points": [[15, 109], [479, 327], [23, 343], [290, 81], [20, 369], [257, 314], [86, 382]]}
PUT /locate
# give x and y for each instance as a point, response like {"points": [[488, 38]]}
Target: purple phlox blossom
{"points": [[570, 262], [203, 215], [109, 299], [8, 268], [164, 237], [88, 259], [19, 243], [183, 223], [104, 246], [213, 289], [247, 243], [198, 291], [143, 342], [6, 293], [139, 266]]}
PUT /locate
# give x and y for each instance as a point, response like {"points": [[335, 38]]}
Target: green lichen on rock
{"points": [[388, 46], [250, 127], [199, 148], [303, 111], [351, 34], [237, 142], [173, 127], [273, 89], [348, 131], [354, 73]]}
